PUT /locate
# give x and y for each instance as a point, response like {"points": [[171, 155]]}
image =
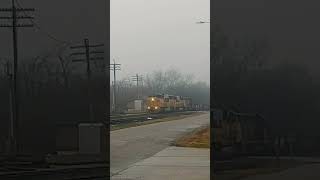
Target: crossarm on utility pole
{"points": [[86, 46], [114, 67]]}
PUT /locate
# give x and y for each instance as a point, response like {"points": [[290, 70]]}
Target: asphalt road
{"points": [[131, 145]]}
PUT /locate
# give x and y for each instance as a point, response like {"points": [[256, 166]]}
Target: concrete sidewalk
{"points": [[307, 172], [171, 163]]}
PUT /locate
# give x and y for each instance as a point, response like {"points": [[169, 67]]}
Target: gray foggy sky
{"points": [[149, 35]]}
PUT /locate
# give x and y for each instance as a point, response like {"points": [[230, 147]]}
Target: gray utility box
{"points": [[138, 105], [92, 139]]}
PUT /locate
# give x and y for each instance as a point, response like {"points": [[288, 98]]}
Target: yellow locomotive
{"points": [[241, 131], [166, 103]]}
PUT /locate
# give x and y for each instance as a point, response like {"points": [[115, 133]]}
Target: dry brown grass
{"points": [[200, 138]]}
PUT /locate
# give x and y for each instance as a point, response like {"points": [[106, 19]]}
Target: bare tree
{"points": [[66, 70]]}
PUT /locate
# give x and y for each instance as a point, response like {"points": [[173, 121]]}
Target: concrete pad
{"points": [[171, 163], [165, 173]]}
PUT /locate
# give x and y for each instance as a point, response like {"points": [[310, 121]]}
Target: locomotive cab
{"points": [[155, 103], [167, 103]]}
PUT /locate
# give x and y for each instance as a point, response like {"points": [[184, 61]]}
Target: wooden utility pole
{"points": [[15, 16], [86, 46], [137, 78], [12, 120], [114, 67]]}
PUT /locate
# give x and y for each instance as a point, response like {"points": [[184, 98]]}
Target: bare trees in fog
{"points": [[245, 81], [51, 90], [170, 81]]}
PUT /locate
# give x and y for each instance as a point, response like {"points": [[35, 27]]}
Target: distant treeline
{"points": [[170, 82]]}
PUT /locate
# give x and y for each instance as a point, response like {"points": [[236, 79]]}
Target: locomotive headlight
{"points": [[152, 99], [156, 107]]}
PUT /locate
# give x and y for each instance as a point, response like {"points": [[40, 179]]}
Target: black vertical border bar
{"points": [[211, 93], [107, 84]]}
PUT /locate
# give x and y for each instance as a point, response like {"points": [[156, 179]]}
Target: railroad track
{"points": [[67, 173], [124, 119]]}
